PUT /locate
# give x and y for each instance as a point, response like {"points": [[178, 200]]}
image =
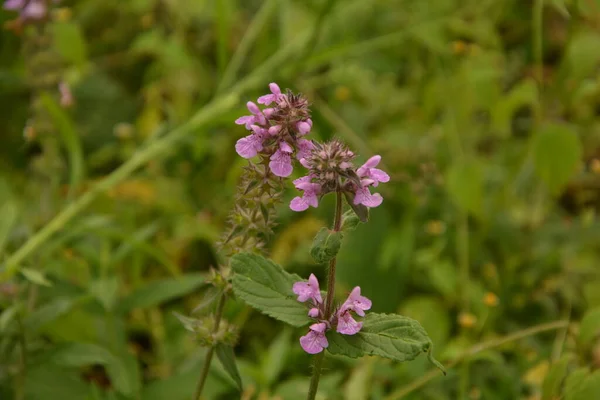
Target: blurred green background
{"points": [[486, 114]]}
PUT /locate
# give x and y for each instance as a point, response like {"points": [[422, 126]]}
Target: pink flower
{"points": [[309, 197], [281, 163], [313, 312], [270, 98], [308, 290], [257, 117], [66, 96], [14, 4], [364, 197], [315, 341], [304, 148], [250, 145], [346, 324], [357, 303], [368, 170], [304, 127]]}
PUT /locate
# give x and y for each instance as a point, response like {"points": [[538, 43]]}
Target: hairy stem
{"points": [[337, 226], [211, 349]]}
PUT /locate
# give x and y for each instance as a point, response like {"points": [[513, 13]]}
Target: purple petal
{"points": [[35, 10], [301, 181], [356, 302], [267, 99], [313, 312], [303, 127], [249, 146], [285, 147], [281, 164], [314, 284], [247, 120], [303, 290], [308, 290], [14, 4], [364, 197], [274, 88], [274, 130], [379, 176], [372, 162], [253, 108], [298, 204], [304, 148], [313, 342], [347, 325]]}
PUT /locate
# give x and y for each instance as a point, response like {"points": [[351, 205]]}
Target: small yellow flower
{"points": [[63, 14], [459, 47], [342, 93], [467, 320], [490, 299], [435, 227], [595, 166]]}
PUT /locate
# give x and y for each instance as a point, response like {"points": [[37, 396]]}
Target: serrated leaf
{"points": [[158, 292], [227, 358], [386, 335], [556, 154], [350, 221], [265, 286], [465, 185], [326, 245], [83, 354], [590, 326]]}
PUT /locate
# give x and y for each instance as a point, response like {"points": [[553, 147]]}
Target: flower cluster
{"points": [[331, 170], [341, 320], [277, 131], [29, 9]]}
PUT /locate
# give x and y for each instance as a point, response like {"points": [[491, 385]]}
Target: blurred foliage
{"points": [[486, 114]]}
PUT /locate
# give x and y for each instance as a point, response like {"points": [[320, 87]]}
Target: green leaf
{"points": [[158, 292], [556, 153], [69, 42], [48, 381], [326, 245], [70, 138], [83, 354], [386, 335], [581, 385], [227, 358], [48, 313], [265, 286], [361, 211], [465, 185], [35, 276], [106, 291], [590, 326], [554, 378], [350, 221]]}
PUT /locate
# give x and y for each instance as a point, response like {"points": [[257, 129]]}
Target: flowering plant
{"points": [[278, 136]]}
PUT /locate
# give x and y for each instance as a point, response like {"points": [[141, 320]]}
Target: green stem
{"points": [[211, 350], [318, 361]]}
